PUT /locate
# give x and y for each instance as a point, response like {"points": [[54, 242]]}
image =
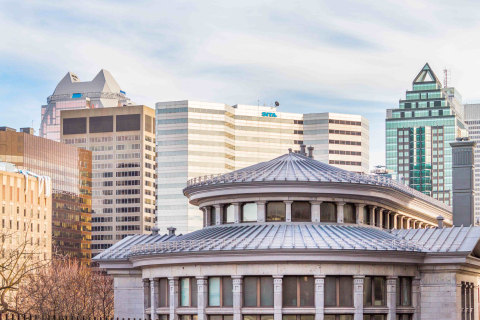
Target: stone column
{"points": [[380, 217], [372, 215], [420, 225], [392, 297], [146, 294], [408, 222], [218, 214], [387, 223], [288, 210], [261, 211], [173, 283], [208, 216], [236, 212], [202, 297], [416, 298], [340, 212], [277, 297], [319, 297], [358, 296], [154, 286], [315, 210], [401, 221], [395, 220], [237, 297], [359, 212]]}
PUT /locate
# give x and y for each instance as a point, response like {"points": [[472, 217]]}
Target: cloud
{"points": [[312, 56]]}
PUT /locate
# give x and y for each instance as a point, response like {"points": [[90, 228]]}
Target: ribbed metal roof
{"points": [[297, 167], [298, 237]]}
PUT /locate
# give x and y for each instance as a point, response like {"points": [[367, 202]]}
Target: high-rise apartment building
{"points": [[26, 210], [200, 138], [122, 142], [472, 120], [70, 170], [71, 93], [419, 132]]}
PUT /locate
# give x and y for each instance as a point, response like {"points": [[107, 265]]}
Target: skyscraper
{"points": [[419, 132], [201, 138], [472, 120], [71, 93], [122, 142]]}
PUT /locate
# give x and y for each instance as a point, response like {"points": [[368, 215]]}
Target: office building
{"points": [[472, 120], [297, 239], [419, 132], [200, 138], [122, 142], [71, 93], [70, 171]]}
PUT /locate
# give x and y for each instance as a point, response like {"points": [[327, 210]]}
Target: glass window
{"points": [[258, 317], [163, 294], [374, 291], [258, 291], [401, 317], [184, 292], [301, 211], [374, 317], [227, 292], [404, 291], [298, 317], [338, 291], [214, 291], [266, 291], [275, 211], [328, 212], [229, 214], [213, 216], [349, 214], [249, 212], [298, 291], [220, 317], [338, 317]]}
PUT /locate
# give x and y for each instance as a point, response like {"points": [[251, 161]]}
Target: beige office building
{"points": [[26, 210], [122, 141], [200, 138]]}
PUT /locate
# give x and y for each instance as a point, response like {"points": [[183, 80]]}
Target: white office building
{"points": [[200, 138]]}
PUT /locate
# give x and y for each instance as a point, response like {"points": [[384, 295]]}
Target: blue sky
{"points": [[312, 56]]}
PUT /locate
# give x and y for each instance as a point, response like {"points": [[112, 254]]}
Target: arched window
{"points": [[213, 216], [249, 212], [275, 211], [349, 215], [328, 212], [301, 211], [229, 214]]}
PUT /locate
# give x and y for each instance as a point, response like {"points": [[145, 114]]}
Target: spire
{"points": [[426, 75]]}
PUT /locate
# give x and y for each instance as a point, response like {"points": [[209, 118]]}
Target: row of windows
{"points": [[352, 153], [348, 143], [346, 163], [128, 219], [352, 133], [348, 123], [291, 317]]}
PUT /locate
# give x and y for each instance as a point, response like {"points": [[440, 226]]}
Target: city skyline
{"points": [[289, 53]]}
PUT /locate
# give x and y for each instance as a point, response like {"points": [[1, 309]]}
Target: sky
{"points": [[356, 57]]}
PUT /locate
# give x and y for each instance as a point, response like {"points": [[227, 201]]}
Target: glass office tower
{"points": [[419, 132]]}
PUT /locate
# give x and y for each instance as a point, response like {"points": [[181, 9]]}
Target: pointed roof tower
{"points": [[426, 75], [106, 82], [103, 82]]}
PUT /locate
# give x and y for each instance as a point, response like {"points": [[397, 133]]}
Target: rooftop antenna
{"points": [[447, 74]]}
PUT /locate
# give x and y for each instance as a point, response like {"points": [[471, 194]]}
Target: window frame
{"points": [[372, 288], [222, 305], [259, 292], [337, 292], [399, 291], [296, 219], [191, 281], [298, 287], [268, 219], [242, 212], [167, 293]]}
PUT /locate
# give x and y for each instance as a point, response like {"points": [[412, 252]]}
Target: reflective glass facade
{"points": [[70, 169], [419, 132]]}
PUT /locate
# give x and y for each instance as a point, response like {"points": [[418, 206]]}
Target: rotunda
{"points": [[297, 239]]}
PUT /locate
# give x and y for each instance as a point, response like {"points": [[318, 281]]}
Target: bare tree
{"points": [[21, 255]]}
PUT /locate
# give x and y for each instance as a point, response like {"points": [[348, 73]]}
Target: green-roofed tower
{"points": [[419, 132]]}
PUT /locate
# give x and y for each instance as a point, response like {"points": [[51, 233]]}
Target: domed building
{"points": [[297, 239]]}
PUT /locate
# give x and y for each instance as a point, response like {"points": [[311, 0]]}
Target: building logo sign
{"points": [[269, 114]]}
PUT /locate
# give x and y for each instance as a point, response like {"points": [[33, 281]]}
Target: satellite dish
{"points": [[277, 104]]}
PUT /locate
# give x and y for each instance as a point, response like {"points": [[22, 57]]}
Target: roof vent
{"points": [[289, 150], [171, 231], [310, 152], [440, 222], [302, 150], [155, 231]]}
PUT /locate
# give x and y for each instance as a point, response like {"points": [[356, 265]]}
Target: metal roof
{"points": [[284, 236], [297, 167]]}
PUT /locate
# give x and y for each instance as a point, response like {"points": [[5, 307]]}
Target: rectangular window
{"points": [[220, 292], [302, 317], [75, 126], [404, 291], [101, 124], [338, 291], [188, 292], [298, 291], [258, 317], [220, 317], [374, 291], [258, 291], [128, 122]]}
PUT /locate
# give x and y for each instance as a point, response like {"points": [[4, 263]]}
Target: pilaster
{"points": [[237, 297], [154, 286], [277, 297], [218, 214], [236, 212], [416, 294], [288, 210], [359, 212], [358, 297], [387, 223], [395, 221], [380, 217], [202, 299], [392, 297], [372, 215], [146, 294], [319, 297], [340, 212], [261, 212], [315, 210], [208, 216], [173, 284]]}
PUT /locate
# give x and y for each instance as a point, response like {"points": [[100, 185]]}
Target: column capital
{"points": [[361, 205], [261, 201], [319, 276], [279, 276], [237, 277], [218, 205], [316, 202], [381, 209], [287, 201], [172, 278], [392, 277], [372, 206], [359, 277], [200, 277], [340, 203], [236, 203]]}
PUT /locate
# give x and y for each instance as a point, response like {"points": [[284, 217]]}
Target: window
{"points": [[338, 291], [228, 214], [375, 317], [220, 292], [163, 293], [467, 300], [404, 291], [188, 317], [220, 317], [339, 317], [349, 215], [249, 212], [298, 291], [301, 211], [276, 211], [188, 292], [328, 212], [398, 317], [258, 291], [374, 291], [298, 317], [258, 317]]}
